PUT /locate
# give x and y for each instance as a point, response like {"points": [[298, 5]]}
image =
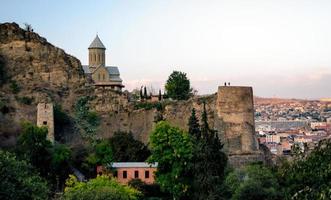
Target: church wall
{"points": [[101, 73]]}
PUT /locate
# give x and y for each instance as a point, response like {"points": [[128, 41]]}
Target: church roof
{"points": [[113, 70], [97, 44]]}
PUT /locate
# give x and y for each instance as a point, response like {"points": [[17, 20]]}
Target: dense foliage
{"points": [[33, 146], [172, 149], [209, 161], [101, 155], [51, 161], [308, 177], [100, 188], [127, 149], [178, 86], [253, 182], [19, 181]]}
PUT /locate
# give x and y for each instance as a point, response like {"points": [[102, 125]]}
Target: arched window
{"points": [[95, 57], [99, 58], [103, 76]]}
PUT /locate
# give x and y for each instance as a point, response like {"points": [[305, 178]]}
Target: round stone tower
{"points": [[97, 53]]}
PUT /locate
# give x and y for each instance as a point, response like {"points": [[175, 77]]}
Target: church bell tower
{"points": [[97, 53]]}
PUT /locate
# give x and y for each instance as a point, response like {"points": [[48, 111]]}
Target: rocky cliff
{"points": [[34, 71]]}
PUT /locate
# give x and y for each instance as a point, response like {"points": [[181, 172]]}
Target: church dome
{"points": [[96, 44]]}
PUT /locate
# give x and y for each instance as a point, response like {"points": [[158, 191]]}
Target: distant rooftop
{"points": [[96, 44], [133, 164]]}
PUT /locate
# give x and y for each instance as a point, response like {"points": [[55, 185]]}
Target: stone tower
{"points": [[97, 53], [45, 117], [235, 108]]}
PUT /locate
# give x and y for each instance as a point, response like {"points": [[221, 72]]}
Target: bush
{"points": [[25, 100], [253, 182], [100, 188], [15, 88], [19, 180], [126, 149]]}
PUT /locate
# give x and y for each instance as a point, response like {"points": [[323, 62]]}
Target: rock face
{"points": [[41, 72]]}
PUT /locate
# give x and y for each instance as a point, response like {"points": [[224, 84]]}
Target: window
{"points": [[136, 174], [44, 122], [146, 174], [103, 76], [115, 173], [95, 57], [99, 57], [125, 174], [99, 77]]}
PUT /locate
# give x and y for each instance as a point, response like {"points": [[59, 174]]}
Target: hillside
{"points": [[32, 71]]}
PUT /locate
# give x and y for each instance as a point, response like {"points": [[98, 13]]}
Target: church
{"points": [[100, 74]]}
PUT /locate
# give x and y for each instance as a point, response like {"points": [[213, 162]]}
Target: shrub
{"points": [[100, 188], [19, 180], [25, 100], [14, 87]]}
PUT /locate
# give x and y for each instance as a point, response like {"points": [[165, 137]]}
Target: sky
{"points": [[282, 48]]}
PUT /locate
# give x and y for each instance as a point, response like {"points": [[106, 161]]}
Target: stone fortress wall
{"points": [[230, 112], [45, 117]]}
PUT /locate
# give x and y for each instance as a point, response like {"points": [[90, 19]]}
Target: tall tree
{"points": [[194, 126], [172, 149], [141, 93], [33, 146], [178, 86], [209, 163], [19, 180], [160, 95], [145, 92]]}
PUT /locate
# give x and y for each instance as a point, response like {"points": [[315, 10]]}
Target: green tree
{"points": [[310, 176], [52, 161], [19, 181], [33, 146], [253, 182], [160, 95], [127, 149], [60, 166], [100, 188], [145, 93], [209, 161], [172, 149], [178, 86], [194, 126], [102, 154]]}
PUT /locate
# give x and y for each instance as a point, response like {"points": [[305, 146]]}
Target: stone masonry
{"points": [[235, 109], [45, 117]]}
